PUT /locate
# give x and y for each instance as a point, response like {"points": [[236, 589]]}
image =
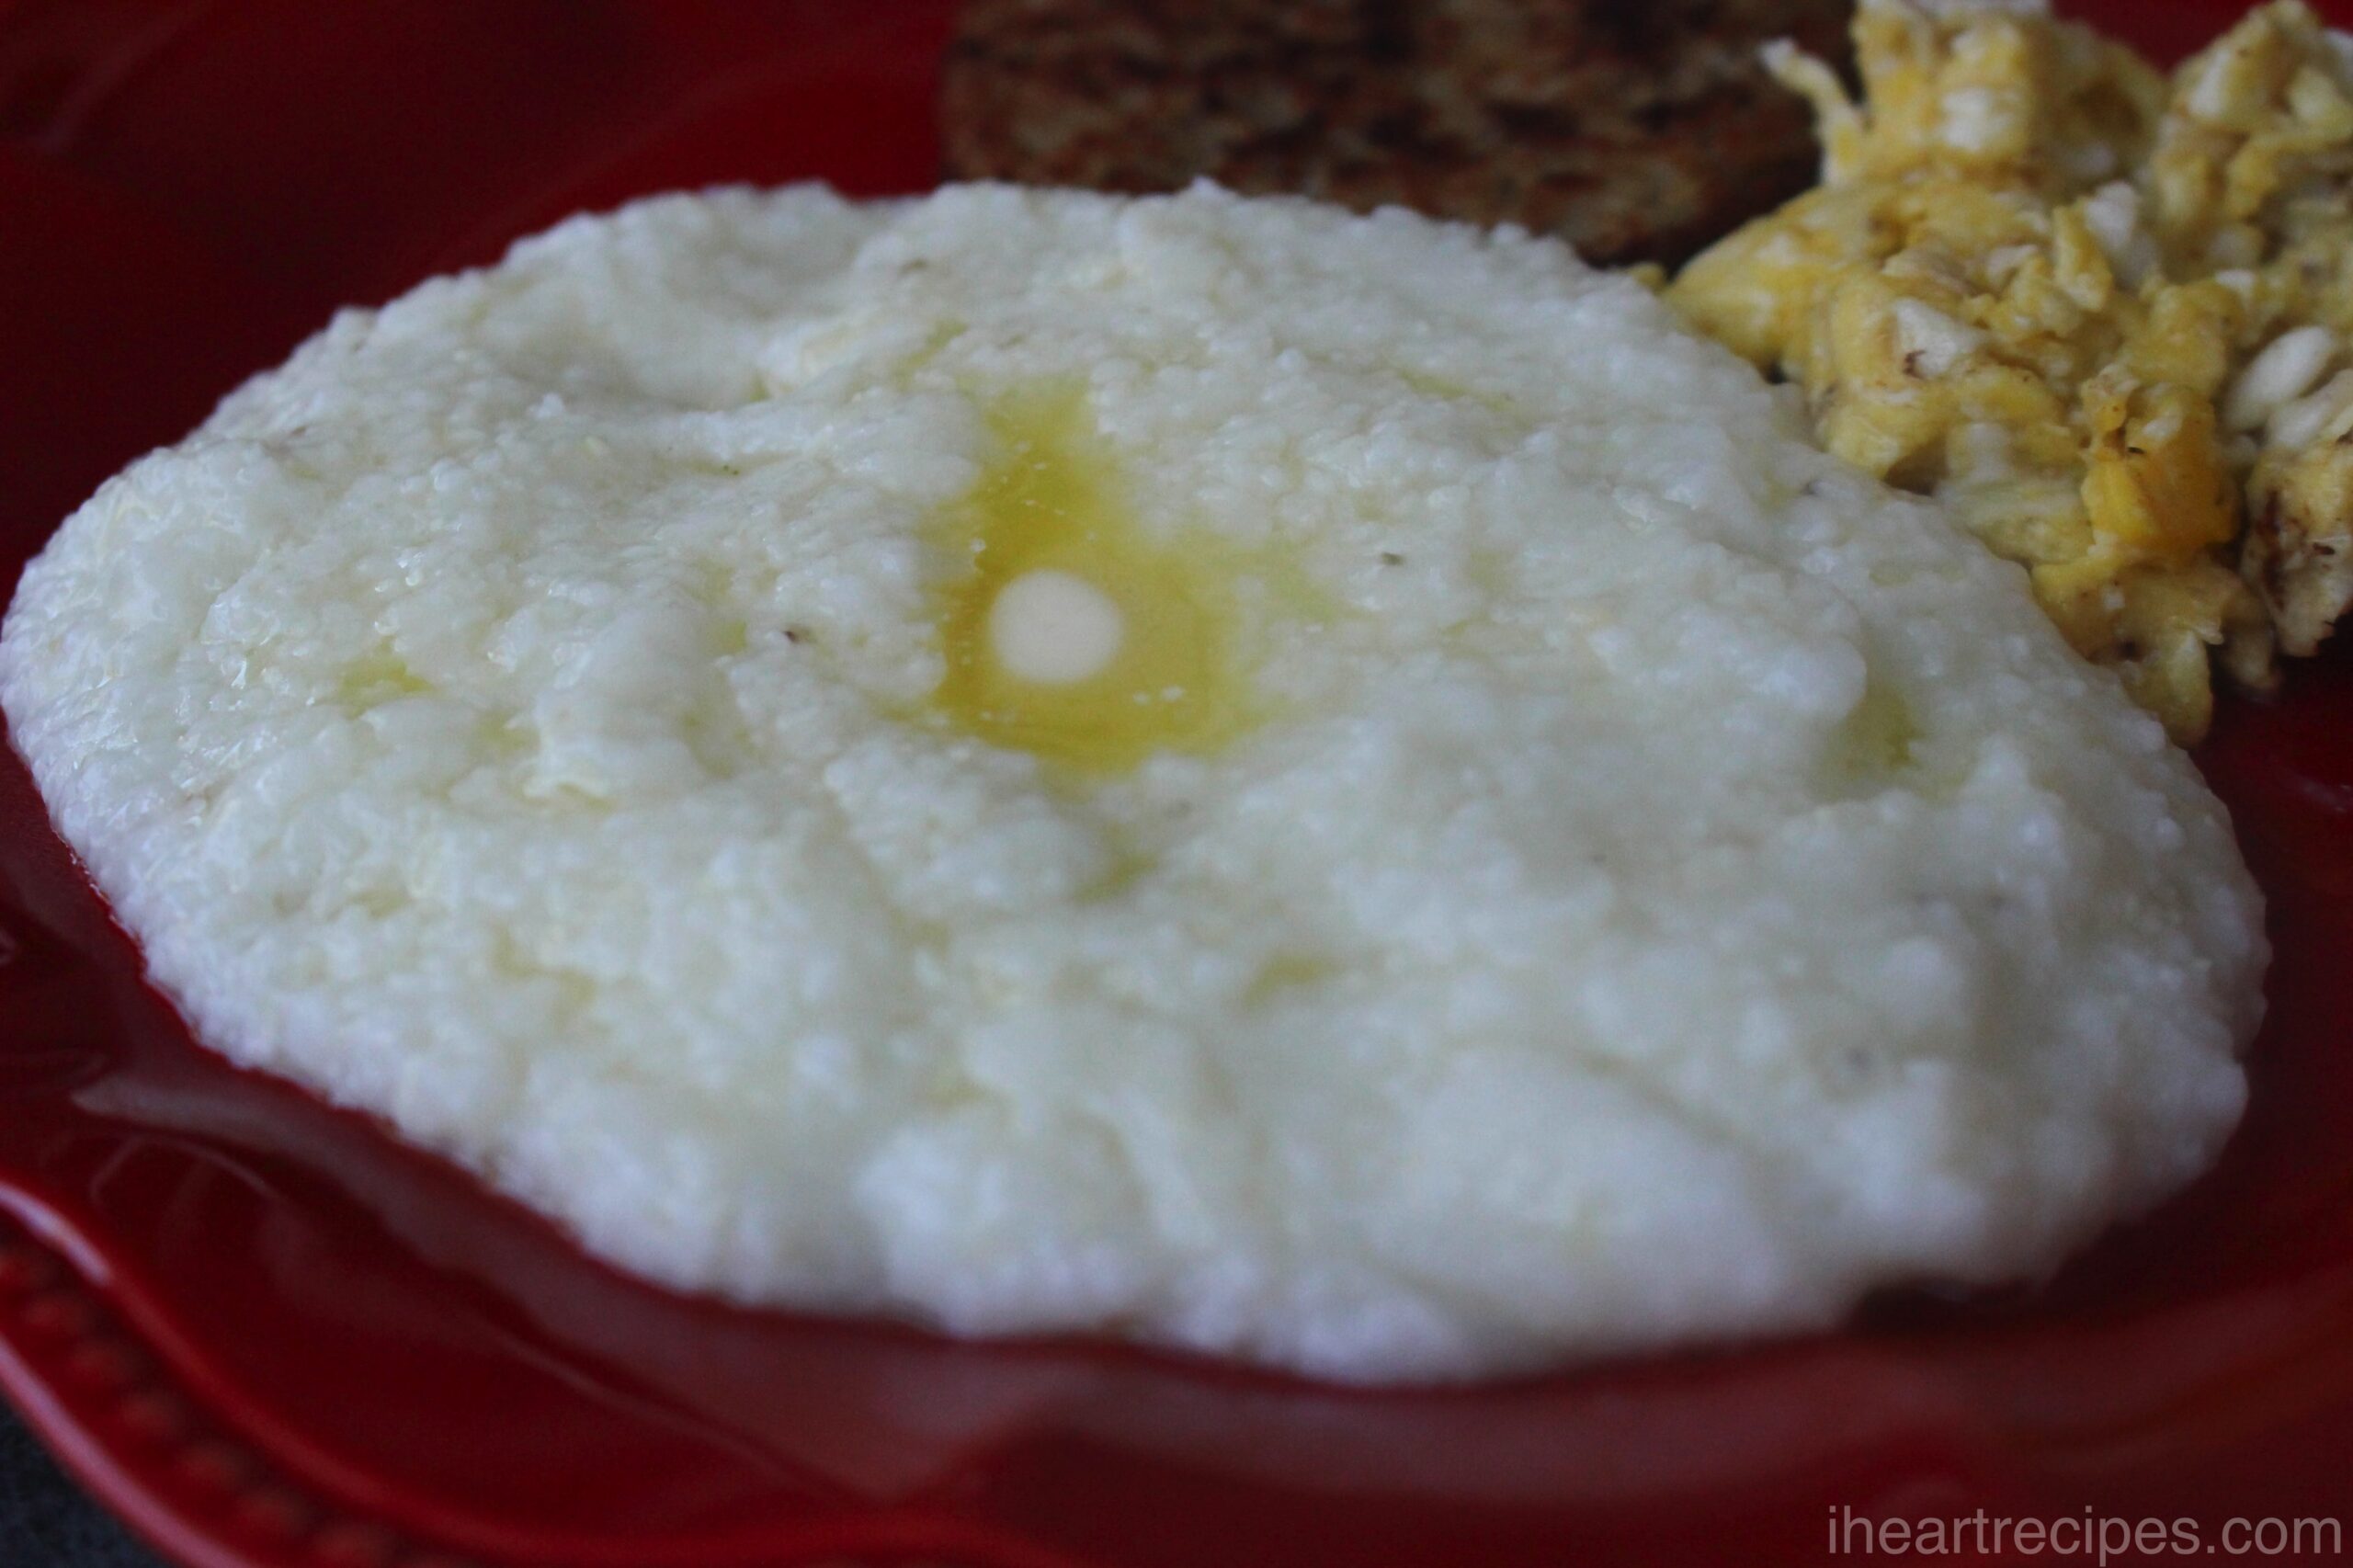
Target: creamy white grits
{"points": [[1337, 791]]}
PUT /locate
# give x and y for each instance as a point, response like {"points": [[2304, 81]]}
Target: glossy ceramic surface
{"points": [[271, 1335]]}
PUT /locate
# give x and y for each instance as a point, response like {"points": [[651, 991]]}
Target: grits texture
{"points": [[1666, 885]]}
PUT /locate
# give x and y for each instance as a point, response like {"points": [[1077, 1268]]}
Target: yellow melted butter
{"points": [[1051, 498], [1875, 742], [376, 679]]}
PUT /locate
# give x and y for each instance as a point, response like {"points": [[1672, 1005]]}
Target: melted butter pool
{"points": [[1874, 745], [1070, 631]]}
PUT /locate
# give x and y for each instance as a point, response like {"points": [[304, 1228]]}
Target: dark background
{"points": [[46, 1521]]}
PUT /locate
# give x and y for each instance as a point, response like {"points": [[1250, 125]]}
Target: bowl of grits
{"points": [[1028, 877]]}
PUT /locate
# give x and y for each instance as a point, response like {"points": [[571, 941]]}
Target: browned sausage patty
{"points": [[1636, 130]]}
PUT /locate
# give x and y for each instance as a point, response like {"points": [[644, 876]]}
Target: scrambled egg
{"points": [[2103, 314]]}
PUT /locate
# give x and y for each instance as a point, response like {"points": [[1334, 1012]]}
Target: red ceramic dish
{"points": [[270, 1335]]}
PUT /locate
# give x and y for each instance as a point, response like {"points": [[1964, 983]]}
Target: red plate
{"points": [[268, 1335]]}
